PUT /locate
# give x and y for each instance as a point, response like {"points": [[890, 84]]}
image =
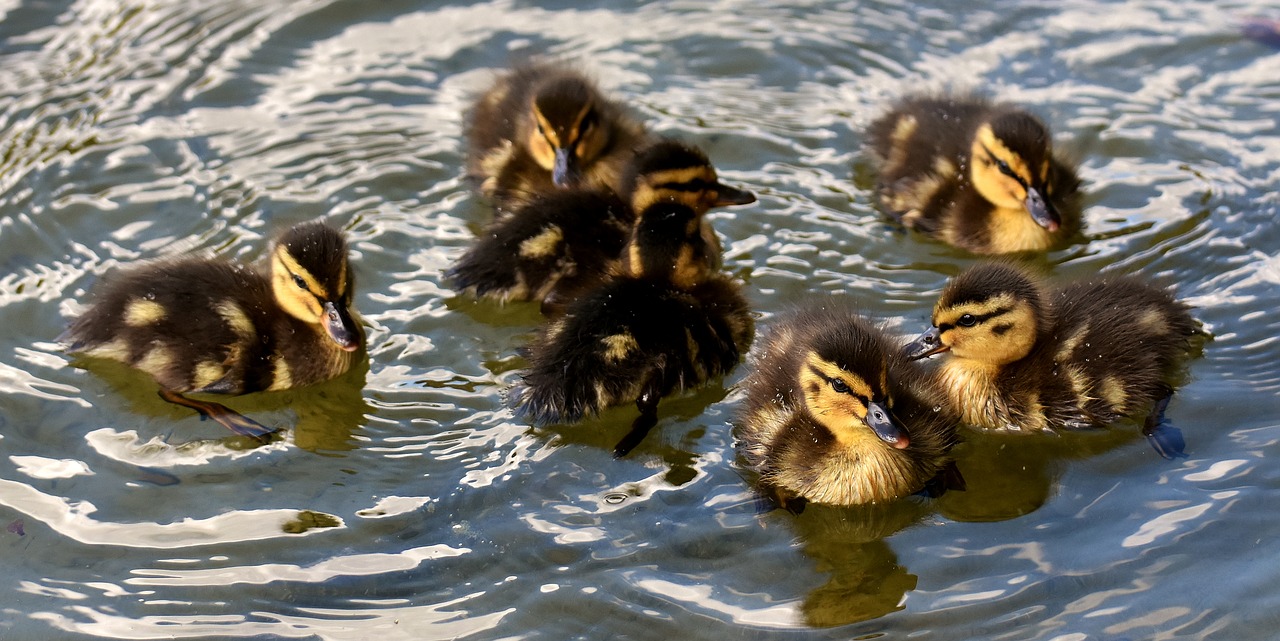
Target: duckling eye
{"points": [[968, 320], [587, 124], [1004, 167], [297, 280], [839, 386]]}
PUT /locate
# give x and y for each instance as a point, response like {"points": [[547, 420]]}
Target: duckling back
{"points": [[978, 175], [562, 240], [544, 126], [808, 422], [1120, 341], [631, 337]]}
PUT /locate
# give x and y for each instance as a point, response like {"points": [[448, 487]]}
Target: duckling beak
{"points": [[564, 172], [726, 195], [881, 422], [341, 327], [927, 344], [1042, 210]]}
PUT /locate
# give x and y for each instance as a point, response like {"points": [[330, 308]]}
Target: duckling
{"points": [[1023, 357], [978, 175], [665, 321], [833, 414], [213, 327], [545, 126], [566, 239]]}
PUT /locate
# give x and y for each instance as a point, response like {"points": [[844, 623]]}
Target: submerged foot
{"points": [[223, 415]]}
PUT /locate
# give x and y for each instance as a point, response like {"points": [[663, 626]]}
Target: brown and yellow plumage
{"points": [[833, 414], [566, 240], [1026, 357], [208, 326], [975, 174], [664, 321], [544, 126]]}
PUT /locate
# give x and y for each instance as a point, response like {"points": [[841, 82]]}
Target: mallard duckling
{"points": [[544, 126], [1086, 354], [566, 239], [978, 175], [664, 322], [833, 414], [209, 326]]}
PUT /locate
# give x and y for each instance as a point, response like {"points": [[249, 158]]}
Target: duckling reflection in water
{"points": [[213, 327], [564, 241], [833, 414], [978, 175], [545, 126], [665, 321], [1024, 357]]}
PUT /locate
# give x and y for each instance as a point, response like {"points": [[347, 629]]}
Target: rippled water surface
{"points": [[405, 501]]}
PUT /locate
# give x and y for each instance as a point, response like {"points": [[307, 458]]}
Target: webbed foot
{"points": [[222, 415]]}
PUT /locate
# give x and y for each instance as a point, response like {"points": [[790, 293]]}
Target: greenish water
{"points": [[406, 503]]}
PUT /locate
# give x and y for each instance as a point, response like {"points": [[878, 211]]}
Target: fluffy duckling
{"points": [[978, 175], [207, 326], [664, 322], [1023, 357], [833, 414], [544, 126], [566, 239]]}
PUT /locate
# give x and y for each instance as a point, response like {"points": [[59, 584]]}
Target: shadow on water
{"points": [[1006, 475], [326, 413]]}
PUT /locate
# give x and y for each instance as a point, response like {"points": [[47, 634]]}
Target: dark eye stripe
{"points": [[830, 381], [978, 318], [1005, 168]]}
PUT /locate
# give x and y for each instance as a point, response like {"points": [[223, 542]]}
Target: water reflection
{"points": [[327, 413]]}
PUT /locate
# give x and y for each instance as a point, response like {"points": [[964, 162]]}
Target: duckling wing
{"points": [[1118, 345], [622, 339], [193, 325], [560, 240]]}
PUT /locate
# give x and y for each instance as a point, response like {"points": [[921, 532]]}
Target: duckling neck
{"points": [[305, 354], [874, 474], [1013, 230], [974, 388]]}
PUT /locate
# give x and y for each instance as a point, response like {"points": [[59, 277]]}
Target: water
{"points": [[407, 503]]}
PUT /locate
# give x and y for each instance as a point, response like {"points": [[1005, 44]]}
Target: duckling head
{"points": [[311, 280], [991, 314], [672, 171], [667, 244], [564, 132], [1011, 165], [844, 380]]}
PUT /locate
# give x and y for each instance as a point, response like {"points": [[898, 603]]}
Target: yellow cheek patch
{"points": [[140, 313], [545, 131], [1001, 190], [544, 244], [292, 266], [619, 346]]}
